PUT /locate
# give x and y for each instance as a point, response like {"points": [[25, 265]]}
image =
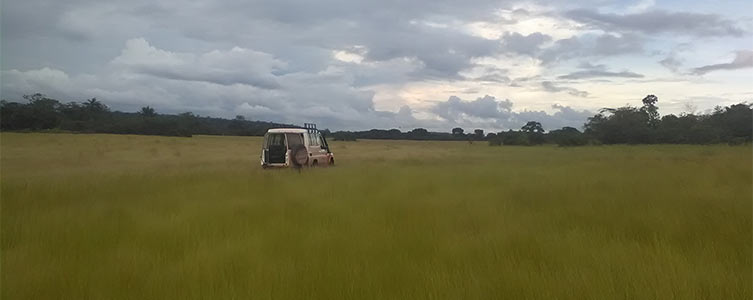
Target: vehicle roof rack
{"points": [[311, 127]]}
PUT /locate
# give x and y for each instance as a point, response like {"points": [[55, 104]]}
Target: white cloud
{"points": [[347, 56], [526, 19], [491, 113]]}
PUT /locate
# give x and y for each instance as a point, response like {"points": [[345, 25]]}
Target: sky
{"points": [[356, 65]]}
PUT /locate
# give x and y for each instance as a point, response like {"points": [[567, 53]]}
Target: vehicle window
{"points": [[294, 139], [275, 139], [320, 139], [313, 139]]}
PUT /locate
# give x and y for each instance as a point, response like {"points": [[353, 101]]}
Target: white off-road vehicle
{"points": [[295, 147]]}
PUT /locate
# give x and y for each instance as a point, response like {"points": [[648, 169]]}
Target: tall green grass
{"points": [[131, 217]]}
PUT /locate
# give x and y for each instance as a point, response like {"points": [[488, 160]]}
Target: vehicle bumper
{"points": [[263, 165]]}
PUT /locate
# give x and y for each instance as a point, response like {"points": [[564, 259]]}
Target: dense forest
{"points": [[624, 125]]}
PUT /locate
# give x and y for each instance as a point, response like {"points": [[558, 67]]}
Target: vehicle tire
{"points": [[315, 163], [331, 162], [299, 156]]}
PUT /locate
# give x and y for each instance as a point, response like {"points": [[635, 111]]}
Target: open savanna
{"points": [[139, 217]]}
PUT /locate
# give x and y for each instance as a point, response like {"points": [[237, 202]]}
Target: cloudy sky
{"points": [[348, 64]]}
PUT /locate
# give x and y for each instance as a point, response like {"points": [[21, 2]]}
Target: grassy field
{"points": [[133, 217]]}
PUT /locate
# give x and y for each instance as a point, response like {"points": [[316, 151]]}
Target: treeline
{"points": [[92, 116], [624, 125], [530, 134], [415, 134], [642, 125]]}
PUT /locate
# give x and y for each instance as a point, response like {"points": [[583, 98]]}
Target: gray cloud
{"points": [[672, 63], [524, 44], [489, 112], [492, 74], [327, 101], [303, 34], [496, 78], [599, 73], [610, 44], [659, 21], [177, 82], [593, 46], [743, 59], [442, 52], [553, 88], [485, 107], [236, 66]]}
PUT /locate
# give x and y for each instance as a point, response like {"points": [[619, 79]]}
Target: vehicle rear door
{"points": [[275, 148]]}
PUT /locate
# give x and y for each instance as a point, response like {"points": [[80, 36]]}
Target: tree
{"points": [[147, 111], [240, 118], [676, 130], [42, 112], [479, 133], [736, 121], [94, 106], [532, 127], [457, 131], [534, 133], [650, 108], [568, 136], [394, 133], [514, 138], [418, 134], [419, 131], [187, 123], [15, 116], [624, 125]]}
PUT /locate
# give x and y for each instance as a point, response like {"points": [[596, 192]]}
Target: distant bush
{"points": [[737, 141], [529, 135], [344, 136], [396, 134], [516, 138], [568, 136]]}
